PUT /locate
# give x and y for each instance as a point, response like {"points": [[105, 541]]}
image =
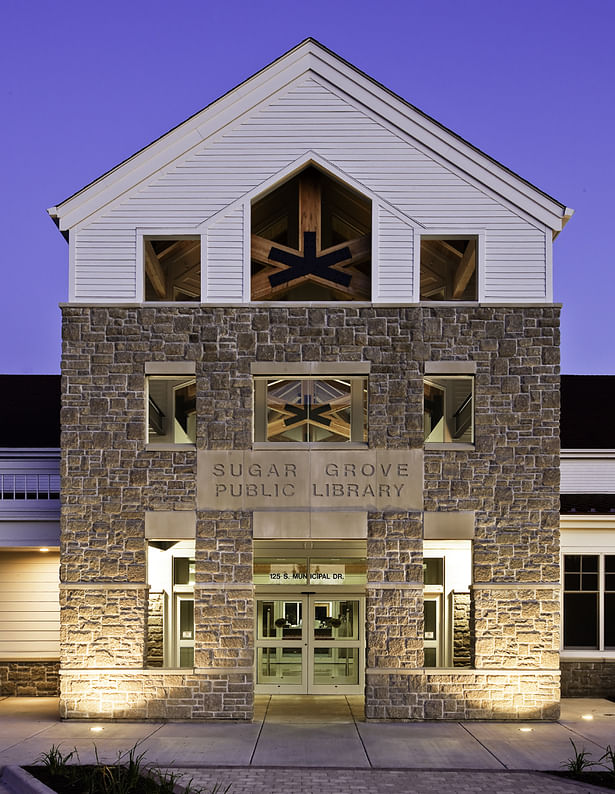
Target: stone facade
{"points": [[154, 654], [111, 477], [462, 630], [587, 678], [30, 679]]}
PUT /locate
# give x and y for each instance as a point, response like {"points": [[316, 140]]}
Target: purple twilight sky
{"points": [[84, 85]]}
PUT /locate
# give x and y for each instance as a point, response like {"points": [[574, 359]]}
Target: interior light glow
{"points": [[587, 716]]}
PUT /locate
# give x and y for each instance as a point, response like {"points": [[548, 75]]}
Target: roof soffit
{"points": [[307, 57]]}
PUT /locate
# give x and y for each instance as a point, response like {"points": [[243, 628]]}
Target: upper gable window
{"points": [[172, 269], [448, 269], [311, 241]]}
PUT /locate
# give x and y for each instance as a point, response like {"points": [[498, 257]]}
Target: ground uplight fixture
{"points": [[96, 729], [526, 730], [587, 716]]}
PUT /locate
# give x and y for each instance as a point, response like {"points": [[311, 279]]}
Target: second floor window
{"points": [[171, 414], [449, 409], [318, 410]]}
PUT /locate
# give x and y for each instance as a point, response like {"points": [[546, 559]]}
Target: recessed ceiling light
{"points": [[587, 716]]}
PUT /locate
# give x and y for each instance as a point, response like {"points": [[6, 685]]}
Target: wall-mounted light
{"points": [[43, 548]]}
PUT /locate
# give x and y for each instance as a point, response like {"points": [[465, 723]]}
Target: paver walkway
{"points": [[254, 780]]}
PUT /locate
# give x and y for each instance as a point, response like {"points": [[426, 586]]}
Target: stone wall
{"points": [[585, 678], [29, 679], [111, 477], [156, 695], [463, 695], [154, 653], [462, 629]]}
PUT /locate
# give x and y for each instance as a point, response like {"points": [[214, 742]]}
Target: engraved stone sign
{"points": [[345, 479]]}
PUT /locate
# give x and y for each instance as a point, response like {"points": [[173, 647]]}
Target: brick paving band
{"points": [[278, 780]]}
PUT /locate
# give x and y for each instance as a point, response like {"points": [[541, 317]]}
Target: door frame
{"points": [[308, 643]]}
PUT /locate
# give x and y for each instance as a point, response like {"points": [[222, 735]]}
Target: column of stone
{"points": [[394, 615], [515, 590], [224, 615]]}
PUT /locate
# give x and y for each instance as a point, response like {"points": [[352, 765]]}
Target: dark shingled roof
{"points": [[587, 412], [30, 411]]}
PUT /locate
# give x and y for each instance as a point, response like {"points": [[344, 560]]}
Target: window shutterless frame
{"points": [[588, 595], [323, 409]]}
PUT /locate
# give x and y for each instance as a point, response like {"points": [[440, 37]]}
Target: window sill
{"points": [[445, 446], [588, 654], [162, 446], [307, 445]]}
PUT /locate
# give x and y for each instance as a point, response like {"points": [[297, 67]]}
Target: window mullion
{"points": [[601, 602]]}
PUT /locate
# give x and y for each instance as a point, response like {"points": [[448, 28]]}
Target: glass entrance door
{"points": [[310, 644]]}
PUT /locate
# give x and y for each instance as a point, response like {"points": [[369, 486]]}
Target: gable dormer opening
{"points": [[172, 268], [311, 241], [448, 268]]}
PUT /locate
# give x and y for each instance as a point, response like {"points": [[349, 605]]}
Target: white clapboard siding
{"points": [[587, 475], [395, 257], [105, 264], [29, 606], [224, 266], [309, 115]]}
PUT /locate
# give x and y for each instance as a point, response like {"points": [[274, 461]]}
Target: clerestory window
{"points": [[321, 410], [172, 268], [448, 268], [311, 240]]}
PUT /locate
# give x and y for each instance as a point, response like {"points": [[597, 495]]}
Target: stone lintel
{"points": [[170, 524], [449, 526], [450, 367], [275, 369], [170, 367], [330, 525]]}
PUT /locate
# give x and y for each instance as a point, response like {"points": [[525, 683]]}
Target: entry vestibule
{"points": [[310, 643], [310, 617]]}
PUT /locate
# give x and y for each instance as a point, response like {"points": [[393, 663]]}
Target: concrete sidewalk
{"points": [[322, 733]]}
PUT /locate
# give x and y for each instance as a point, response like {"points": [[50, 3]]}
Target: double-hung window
{"points": [[589, 602]]}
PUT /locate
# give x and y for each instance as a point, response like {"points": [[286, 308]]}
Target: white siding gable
{"points": [[311, 115], [394, 256], [224, 259]]}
